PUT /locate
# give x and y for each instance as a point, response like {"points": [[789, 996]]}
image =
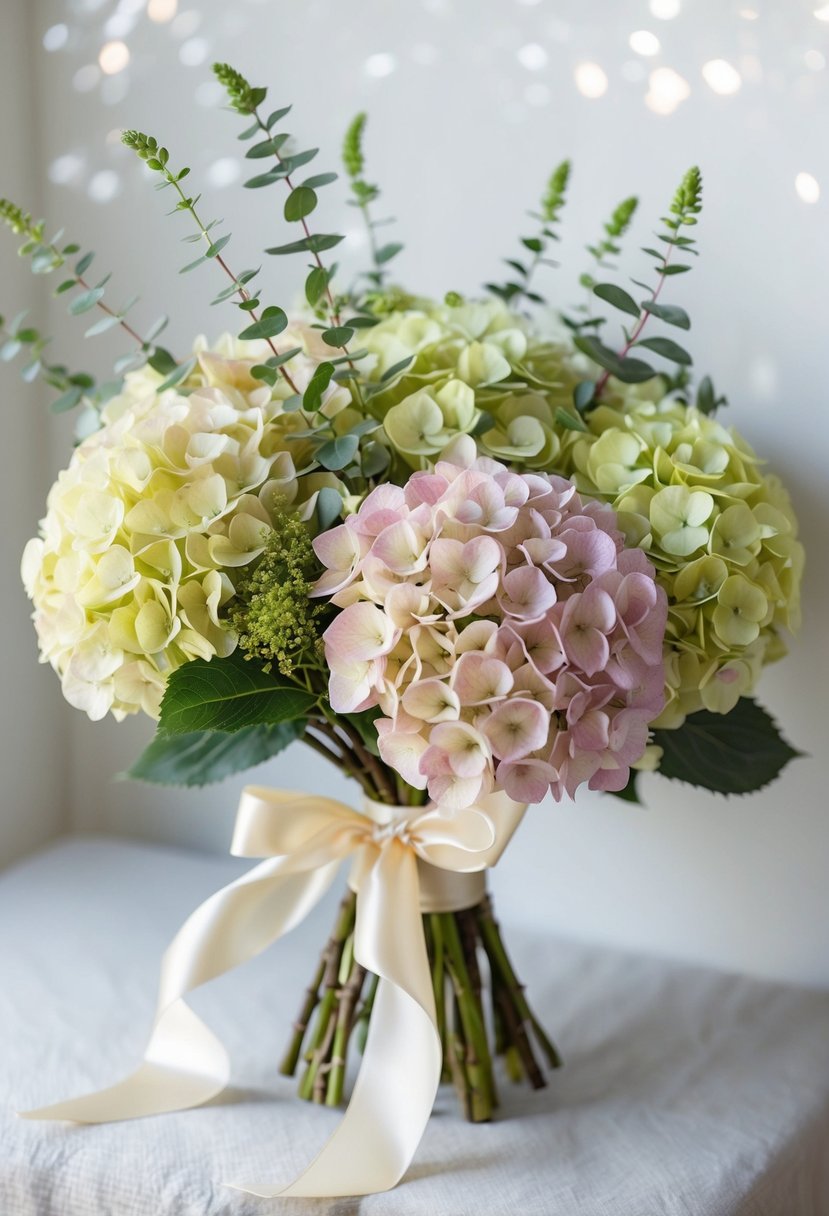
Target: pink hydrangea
{"points": [[508, 636]]}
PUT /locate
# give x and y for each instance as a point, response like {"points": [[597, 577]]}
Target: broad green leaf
{"points": [[375, 458], [299, 203], [162, 361], [733, 753], [268, 147], [667, 349], [617, 297], [669, 313], [227, 695], [204, 757], [271, 323], [673, 268]]}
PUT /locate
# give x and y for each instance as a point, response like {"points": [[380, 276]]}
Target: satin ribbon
{"points": [[305, 839]]}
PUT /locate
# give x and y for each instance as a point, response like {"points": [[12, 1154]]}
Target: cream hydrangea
{"points": [[146, 527], [721, 533]]}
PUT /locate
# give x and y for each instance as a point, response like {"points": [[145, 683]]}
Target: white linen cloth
{"points": [[686, 1092]]}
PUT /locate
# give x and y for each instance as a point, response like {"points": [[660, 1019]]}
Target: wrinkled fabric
{"points": [[685, 1091]]}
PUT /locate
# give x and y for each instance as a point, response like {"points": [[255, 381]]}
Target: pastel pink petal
{"points": [[431, 701], [525, 780], [453, 793], [517, 727], [628, 736], [477, 678], [403, 752], [591, 732], [586, 649], [610, 780], [351, 689], [360, 632], [464, 747], [635, 599], [446, 561], [527, 594], [425, 488], [382, 507], [481, 556], [596, 610], [401, 548]]}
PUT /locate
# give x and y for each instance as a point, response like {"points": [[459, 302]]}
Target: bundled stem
{"points": [[457, 943]]}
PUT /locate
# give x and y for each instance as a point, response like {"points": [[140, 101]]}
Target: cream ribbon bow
{"points": [[304, 839]]}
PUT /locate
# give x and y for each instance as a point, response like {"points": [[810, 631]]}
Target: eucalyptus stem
{"points": [[242, 291], [383, 780], [477, 1060], [662, 276]]}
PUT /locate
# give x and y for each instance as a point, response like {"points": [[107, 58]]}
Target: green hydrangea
{"points": [[271, 613], [721, 533]]}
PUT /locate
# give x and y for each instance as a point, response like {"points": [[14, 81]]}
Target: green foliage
{"points": [[708, 402], [733, 753], [227, 695], [243, 98], [552, 202], [272, 613], [204, 757], [363, 194], [608, 245]]}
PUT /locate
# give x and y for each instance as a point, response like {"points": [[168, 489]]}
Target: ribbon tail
{"points": [[400, 1072], [185, 1064]]}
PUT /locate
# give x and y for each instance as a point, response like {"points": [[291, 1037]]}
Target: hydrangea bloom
{"points": [[721, 533], [146, 527], [501, 626]]}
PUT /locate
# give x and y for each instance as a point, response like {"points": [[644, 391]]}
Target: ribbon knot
{"points": [[304, 839]]}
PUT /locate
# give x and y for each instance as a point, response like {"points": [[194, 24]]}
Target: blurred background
{"points": [[471, 103]]}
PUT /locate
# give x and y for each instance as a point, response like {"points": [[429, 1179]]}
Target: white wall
{"points": [[462, 135], [32, 750]]}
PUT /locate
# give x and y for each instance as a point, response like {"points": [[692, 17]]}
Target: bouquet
{"points": [[468, 550]]}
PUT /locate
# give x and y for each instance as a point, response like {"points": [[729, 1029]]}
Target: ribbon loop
{"points": [[304, 839]]}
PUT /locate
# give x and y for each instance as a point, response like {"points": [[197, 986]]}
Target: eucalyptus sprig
{"points": [[684, 209], [550, 207], [74, 388], [272, 320], [363, 194], [301, 201], [608, 244]]}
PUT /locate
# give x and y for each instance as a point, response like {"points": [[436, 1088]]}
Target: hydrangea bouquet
{"points": [[467, 551]]}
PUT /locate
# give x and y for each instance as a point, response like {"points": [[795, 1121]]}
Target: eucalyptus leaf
{"points": [[272, 322], [337, 453], [617, 297], [669, 313], [299, 203], [318, 242]]}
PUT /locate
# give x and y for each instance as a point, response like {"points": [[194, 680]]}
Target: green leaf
{"points": [[268, 147], [67, 400], [570, 422], [316, 284], [249, 132], [85, 301], [228, 694], [375, 459], [271, 323], [396, 368], [316, 243], [156, 328], [192, 265], [630, 371], [216, 248], [277, 115], [264, 179], [617, 297], [203, 757], [83, 264], [583, 394], [162, 361], [312, 397], [100, 327], [299, 203], [669, 313], [66, 285], [733, 753], [338, 335], [387, 252], [320, 179], [10, 349], [328, 508], [668, 349], [290, 163], [673, 268], [176, 377], [337, 453]]}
